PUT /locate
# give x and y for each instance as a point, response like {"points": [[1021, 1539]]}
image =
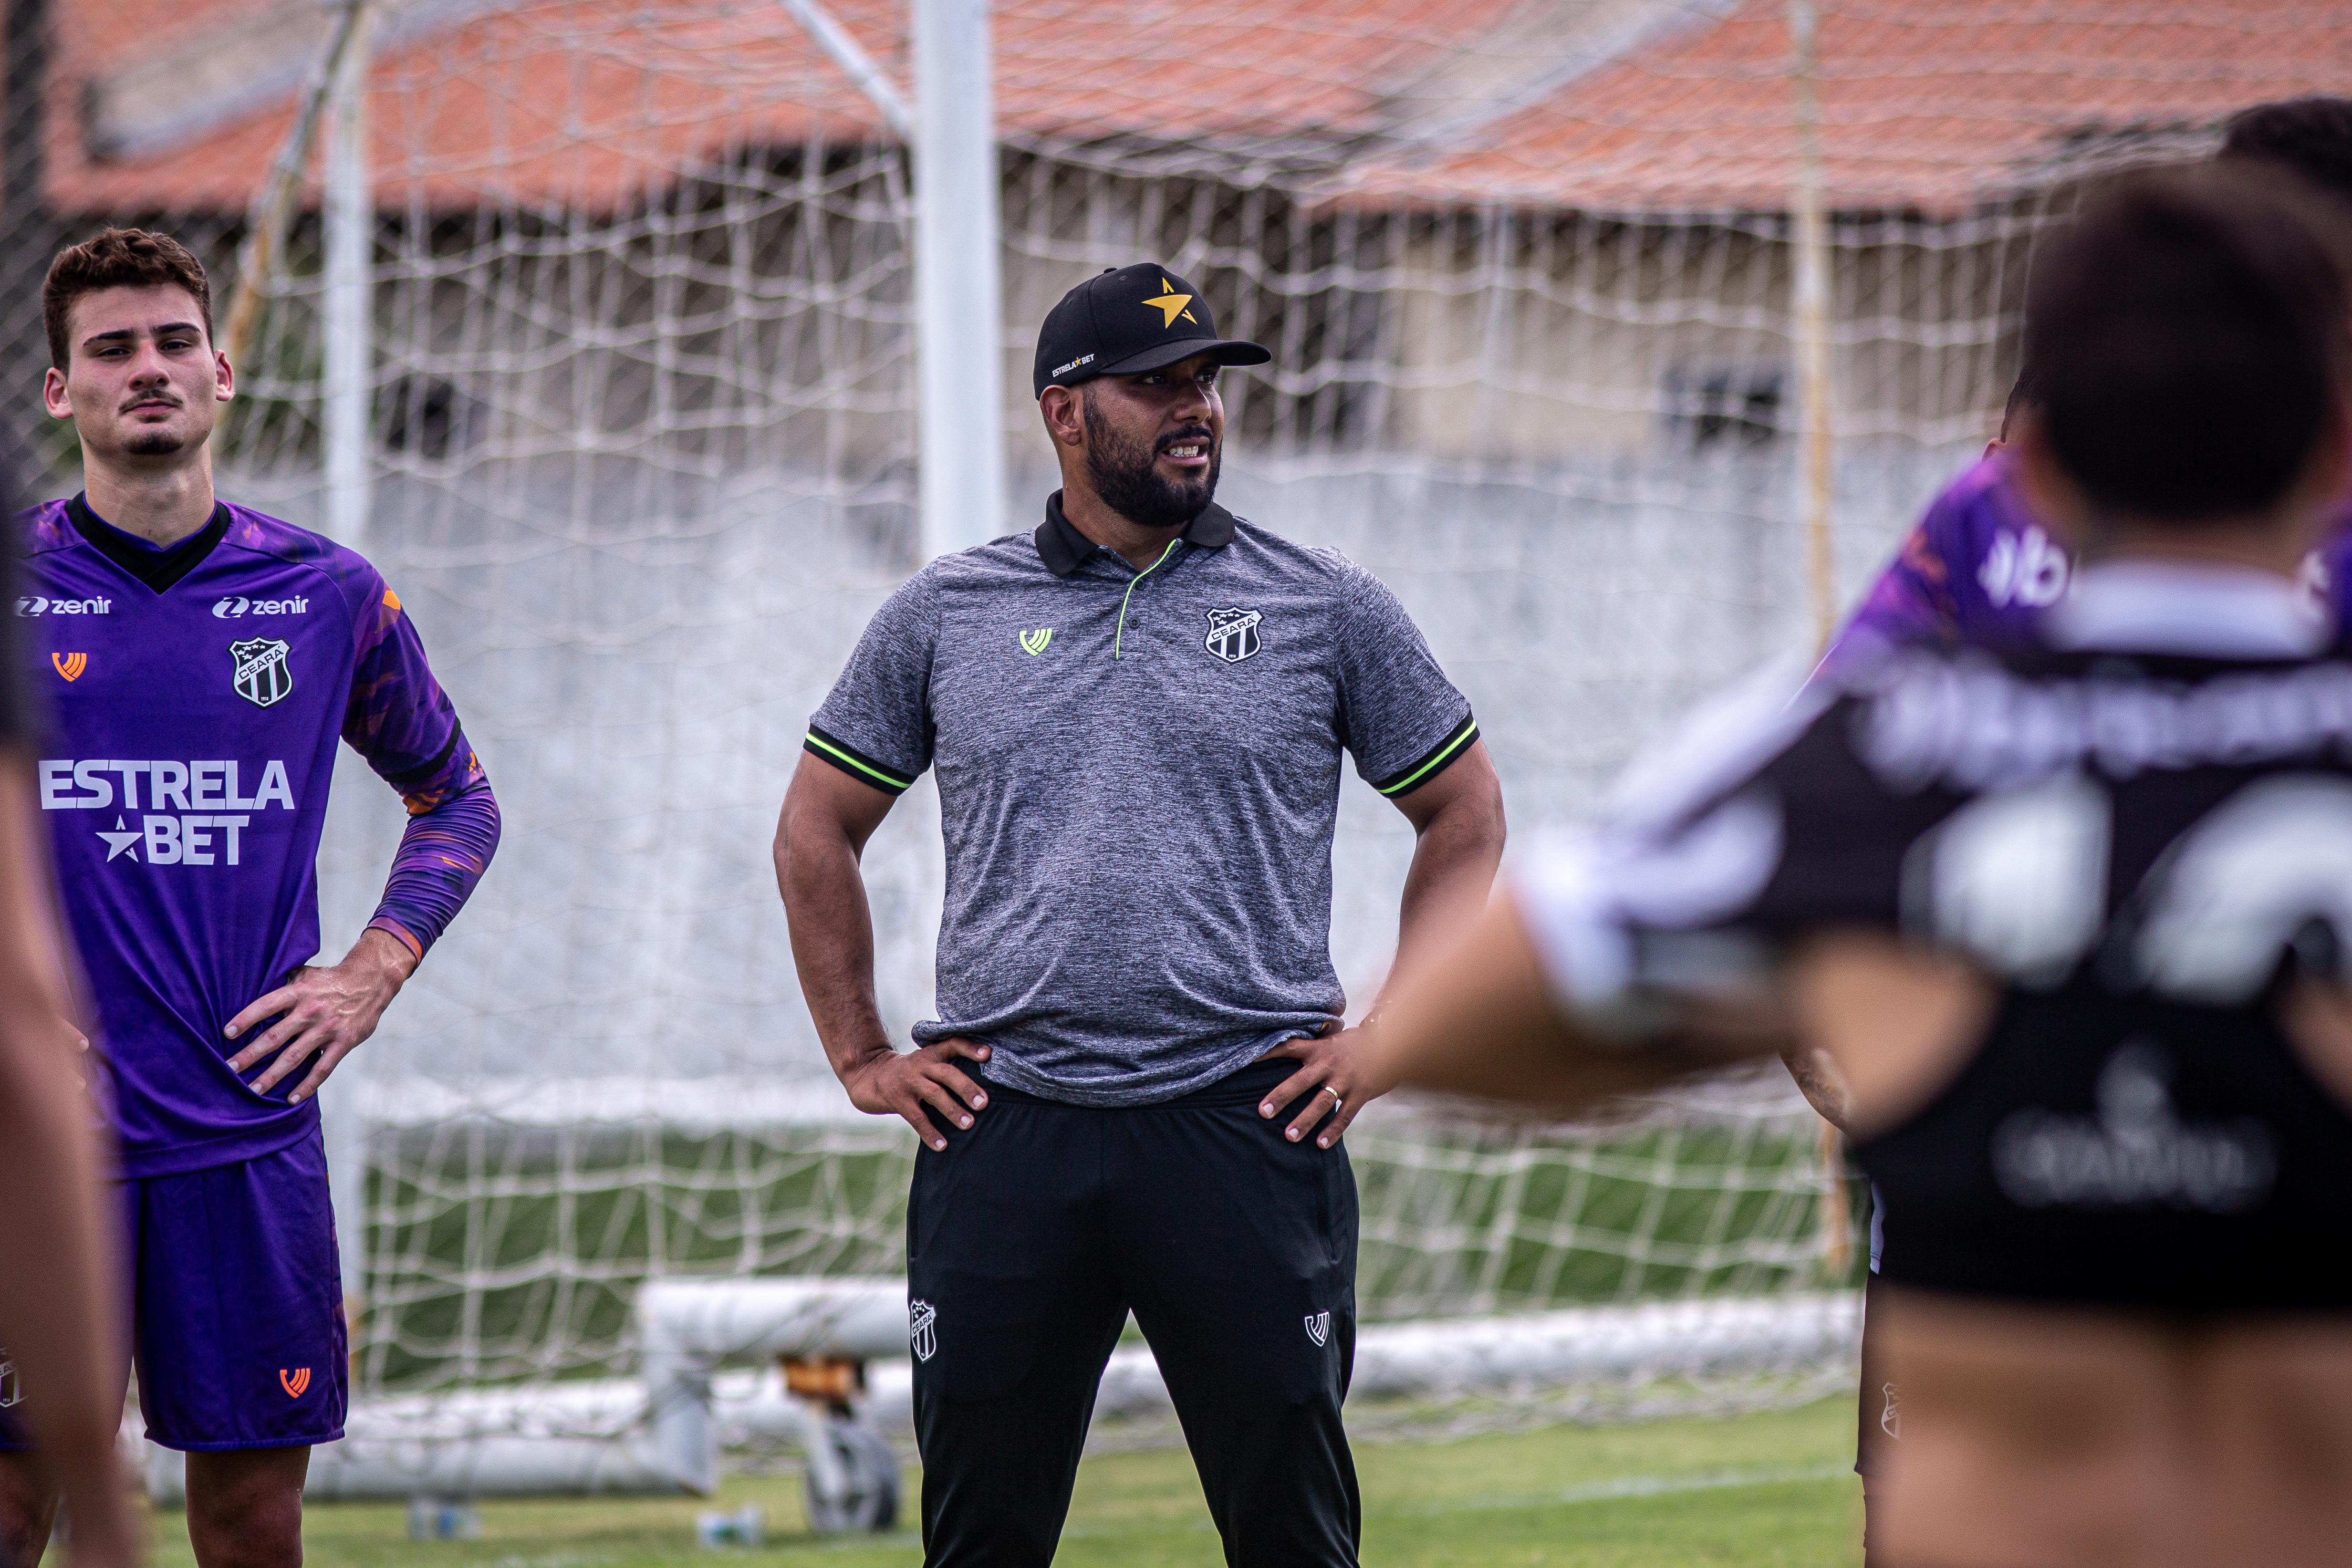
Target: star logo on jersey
{"points": [[121, 841], [294, 1382], [1035, 642], [69, 665], [1232, 634], [263, 675], [1172, 305], [1318, 1327]]}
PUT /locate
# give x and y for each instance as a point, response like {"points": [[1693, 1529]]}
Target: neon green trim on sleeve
{"points": [[848, 761], [1119, 637], [1445, 755]]}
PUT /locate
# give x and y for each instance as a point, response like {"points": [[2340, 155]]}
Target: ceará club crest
{"points": [[263, 674], [1232, 634]]}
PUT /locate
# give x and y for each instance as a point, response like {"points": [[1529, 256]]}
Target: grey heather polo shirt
{"points": [[1139, 775]]}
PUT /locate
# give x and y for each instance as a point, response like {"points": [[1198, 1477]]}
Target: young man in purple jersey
{"points": [[200, 661]]}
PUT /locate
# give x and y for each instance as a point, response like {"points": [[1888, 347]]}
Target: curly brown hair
{"points": [[118, 258]]}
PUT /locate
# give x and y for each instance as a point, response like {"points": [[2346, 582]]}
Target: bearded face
{"points": [[1124, 466]]}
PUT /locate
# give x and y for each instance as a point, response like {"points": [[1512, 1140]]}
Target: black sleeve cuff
{"points": [[1433, 762], [854, 763]]}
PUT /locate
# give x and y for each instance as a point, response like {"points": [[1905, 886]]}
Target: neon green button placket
{"points": [[1118, 636]]}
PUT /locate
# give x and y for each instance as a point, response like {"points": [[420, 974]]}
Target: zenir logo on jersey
{"points": [[294, 1382], [1232, 634], [69, 665], [230, 606], [1034, 642], [263, 675], [920, 1316]]}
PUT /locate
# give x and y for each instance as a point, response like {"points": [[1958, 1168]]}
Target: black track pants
{"points": [[1031, 1238]]}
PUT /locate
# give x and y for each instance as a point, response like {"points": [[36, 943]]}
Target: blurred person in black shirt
{"points": [[2071, 925]]}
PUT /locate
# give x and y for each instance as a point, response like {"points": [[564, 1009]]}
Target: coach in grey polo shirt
{"points": [[1136, 713]]}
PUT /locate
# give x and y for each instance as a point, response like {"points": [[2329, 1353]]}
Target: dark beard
{"points": [[1129, 485], [155, 444]]}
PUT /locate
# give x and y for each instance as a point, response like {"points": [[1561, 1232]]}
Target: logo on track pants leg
{"points": [[1318, 1326], [920, 1316]]}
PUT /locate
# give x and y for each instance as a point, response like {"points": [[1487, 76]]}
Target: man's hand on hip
{"points": [[1333, 1076], [887, 1083], [322, 1013]]}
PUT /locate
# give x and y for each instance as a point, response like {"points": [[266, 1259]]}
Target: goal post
{"points": [[960, 298]]}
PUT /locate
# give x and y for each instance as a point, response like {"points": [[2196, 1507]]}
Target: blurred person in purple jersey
{"points": [[201, 661], [2068, 926], [1975, 571], [1980, 566], [58, 1355]]}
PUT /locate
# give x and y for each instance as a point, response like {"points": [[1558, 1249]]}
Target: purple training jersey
{"points": [[1978, 569], [195, 696]]}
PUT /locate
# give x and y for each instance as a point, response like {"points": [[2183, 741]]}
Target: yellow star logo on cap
{"points": [[1173, 305]]}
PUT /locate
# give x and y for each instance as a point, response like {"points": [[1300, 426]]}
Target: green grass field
{"points": [[1758, 1491]]}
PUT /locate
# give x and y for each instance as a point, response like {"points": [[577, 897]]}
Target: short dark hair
{"points": [[118, 258], [2022, 393], [2188, 336], [2309, 137]]}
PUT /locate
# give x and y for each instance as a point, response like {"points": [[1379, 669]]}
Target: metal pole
{"points": [[348, 311], [1812, 314], [855, 64], [1811, 289], [273, 204], [960, 355], [347, 317]]}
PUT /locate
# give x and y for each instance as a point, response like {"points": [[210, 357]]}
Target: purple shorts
{"points": [[236, 1306]]}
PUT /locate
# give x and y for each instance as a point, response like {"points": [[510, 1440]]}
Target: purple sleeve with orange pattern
{"points": [[401, 721], [1911, 604]]}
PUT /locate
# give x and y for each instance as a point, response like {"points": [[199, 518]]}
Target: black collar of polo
{"points": [[1062, 549]]}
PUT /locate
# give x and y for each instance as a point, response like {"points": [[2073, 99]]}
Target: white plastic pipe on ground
{"points": [[664, 1432]]}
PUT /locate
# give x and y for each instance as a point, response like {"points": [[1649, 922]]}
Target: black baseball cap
{"points": [[1127, 320]]}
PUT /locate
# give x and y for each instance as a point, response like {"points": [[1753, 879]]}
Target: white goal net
{"points": [[636, 425]]}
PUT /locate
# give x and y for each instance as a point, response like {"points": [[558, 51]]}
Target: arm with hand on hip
{"points": [[827, 817], [324, 1013]]}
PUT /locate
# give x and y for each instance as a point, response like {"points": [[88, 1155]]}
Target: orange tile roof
{"points": [[584, 101], [1925, 104], [590, 102]]}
